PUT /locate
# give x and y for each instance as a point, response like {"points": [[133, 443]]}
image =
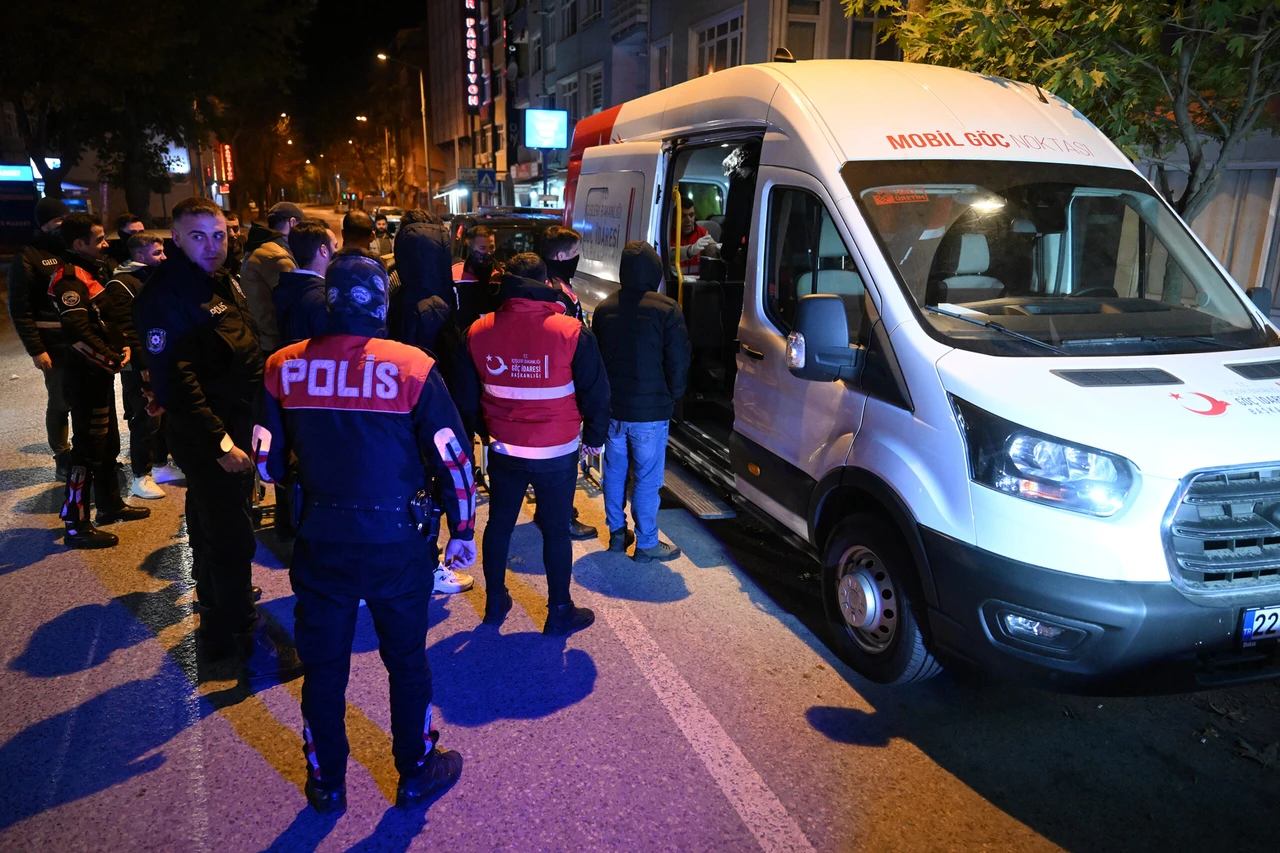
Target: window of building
{"points": [[716, 44], [549, 38], [805, 32], [807, 255], [866, 38], [568, 97], [591, 11], [660, 65], [593, 86], [535, 53], [568, 19]]}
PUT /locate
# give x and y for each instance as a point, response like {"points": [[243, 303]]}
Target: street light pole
{"points": [[422, 96]]}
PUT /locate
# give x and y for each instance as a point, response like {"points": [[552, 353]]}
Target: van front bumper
{"points": [[1116, 637]]}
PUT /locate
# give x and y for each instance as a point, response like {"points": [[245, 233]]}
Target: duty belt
{"points": [[377, 503]]}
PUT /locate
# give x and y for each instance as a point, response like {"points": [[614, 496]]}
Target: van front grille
{"points": [[1225, 531]]}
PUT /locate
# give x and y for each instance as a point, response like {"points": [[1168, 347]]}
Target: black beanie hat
{"points": [[48, 209]]}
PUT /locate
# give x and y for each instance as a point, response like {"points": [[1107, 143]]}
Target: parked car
{"points": [[515, 229], [951, 342]]}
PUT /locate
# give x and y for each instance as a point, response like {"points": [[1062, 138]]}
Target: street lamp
{"points": [[422, 96], [362, 118]]}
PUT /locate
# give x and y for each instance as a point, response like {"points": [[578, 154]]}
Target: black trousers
{"points": [[91, 393], [329, 579], [554, 481], [146, 439], [222, 545], [57, 410]]}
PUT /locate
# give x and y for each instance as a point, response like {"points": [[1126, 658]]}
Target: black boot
{"points": [[496, 609], [123, 513], [326, 800], [265, 659], [566, 619], [580, 531], [437, 773], [620, 539], [85, 535]]}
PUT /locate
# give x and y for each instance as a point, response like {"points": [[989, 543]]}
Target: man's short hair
{"points": [[477, 232], [140, 241], [126, 219], [557, 239], [230, 215], [306, 238], [419, 215], [77, 226], [357, 225], [356, 250], [527, 265], [381, 217], [195, 206]]}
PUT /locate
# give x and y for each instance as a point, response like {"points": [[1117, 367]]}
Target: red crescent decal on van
{"points": [[589, 132]]}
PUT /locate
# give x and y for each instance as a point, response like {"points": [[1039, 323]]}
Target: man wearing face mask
{"points": [[560, 250], [478, 277]]}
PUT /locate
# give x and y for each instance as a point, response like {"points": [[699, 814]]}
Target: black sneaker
{"points": [[566, 619], [88, 536], [326, 800], [265, 660], [663, 551], [437, 773], [124, 513], [496, 610], [621, 539], [580, 531]]}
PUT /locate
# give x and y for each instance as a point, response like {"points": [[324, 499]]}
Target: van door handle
{"points": [[751, 353]]}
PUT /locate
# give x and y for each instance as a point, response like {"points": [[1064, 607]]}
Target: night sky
{"points": [[338, 51]]}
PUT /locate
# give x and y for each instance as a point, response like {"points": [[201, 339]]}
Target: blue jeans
{"points": [[640, 446]]}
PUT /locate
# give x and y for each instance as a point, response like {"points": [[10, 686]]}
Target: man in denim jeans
{"points": [[646, 353]]}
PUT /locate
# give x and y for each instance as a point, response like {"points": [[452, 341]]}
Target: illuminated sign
{"points": [[178, 159], [471, 53], [228, 167], [546, 129], [16, 173]]}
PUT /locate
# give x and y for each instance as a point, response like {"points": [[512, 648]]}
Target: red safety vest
{"points": [[523, 353]]}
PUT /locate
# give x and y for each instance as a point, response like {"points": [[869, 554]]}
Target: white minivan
{"points": [[950, 340]]}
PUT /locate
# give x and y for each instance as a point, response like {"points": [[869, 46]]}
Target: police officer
{"points": [[362, 413], [37, 324], [98, 352], [206, 371], [536, 379]]}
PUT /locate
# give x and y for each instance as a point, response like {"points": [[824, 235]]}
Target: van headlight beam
{"points": [[1037, 467]]}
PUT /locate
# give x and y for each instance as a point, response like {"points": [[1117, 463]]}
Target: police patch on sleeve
{"points": [[71, 299], [155, 341]]}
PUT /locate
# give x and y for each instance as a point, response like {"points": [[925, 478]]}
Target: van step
{"points": [[697, 497]]}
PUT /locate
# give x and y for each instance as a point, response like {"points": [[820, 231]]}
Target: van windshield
{"points": [[1048, 259]]}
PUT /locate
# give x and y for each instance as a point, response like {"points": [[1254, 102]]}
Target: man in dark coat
{"points": [[646, 352], [36, 321]]}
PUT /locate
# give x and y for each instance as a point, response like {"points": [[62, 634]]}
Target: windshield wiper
{"points": [[1151, 339], [991, 324]]}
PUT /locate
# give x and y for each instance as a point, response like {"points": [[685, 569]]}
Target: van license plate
{"points": [[1260, 623]]}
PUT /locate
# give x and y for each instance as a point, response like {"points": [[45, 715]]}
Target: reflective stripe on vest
{"points": [[525, 452], [506, 392]]}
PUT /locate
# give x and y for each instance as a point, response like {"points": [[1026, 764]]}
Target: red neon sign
{"points": [[471, 53], [228, 168]]}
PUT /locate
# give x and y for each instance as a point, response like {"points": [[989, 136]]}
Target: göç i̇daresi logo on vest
{"points": [[522, 367]]}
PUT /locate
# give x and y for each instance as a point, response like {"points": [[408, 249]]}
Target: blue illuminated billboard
{"points": [[546, 129], [16, 173]]}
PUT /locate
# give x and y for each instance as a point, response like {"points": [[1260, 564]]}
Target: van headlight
{"points": [[1038, 467]]}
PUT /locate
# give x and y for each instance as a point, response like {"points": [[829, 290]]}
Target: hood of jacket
{"points": [[430, 316], [293, 286], [515, 287], [424, 263], [261, 234], [47, 242], [640, 269]]}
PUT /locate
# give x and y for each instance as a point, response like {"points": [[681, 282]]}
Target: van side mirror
{"points": [[1261, 298], [818, 348]]}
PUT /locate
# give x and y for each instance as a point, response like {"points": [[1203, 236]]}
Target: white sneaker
{"points": [[448, 581], [146, 488], [167, 474]]}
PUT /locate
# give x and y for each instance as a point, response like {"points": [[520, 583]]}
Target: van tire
{"points": [[868, 551]]}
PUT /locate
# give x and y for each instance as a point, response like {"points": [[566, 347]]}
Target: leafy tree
{"points": [[1152, 74]]}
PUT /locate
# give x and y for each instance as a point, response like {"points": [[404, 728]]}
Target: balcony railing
{"points": [[627, 15]]}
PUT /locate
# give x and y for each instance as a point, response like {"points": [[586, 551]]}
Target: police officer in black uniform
{"points": [[363, 415], [37, 324], [206, 371], [98, 352]]}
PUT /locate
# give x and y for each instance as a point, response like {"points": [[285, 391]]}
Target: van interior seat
{"points": [[712, 227], [836, 280], [960, 272]]}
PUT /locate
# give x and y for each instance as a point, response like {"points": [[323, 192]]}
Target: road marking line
{"points": [[760, 809]]}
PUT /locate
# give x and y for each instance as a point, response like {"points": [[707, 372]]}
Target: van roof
{"points": [[876, 110]]}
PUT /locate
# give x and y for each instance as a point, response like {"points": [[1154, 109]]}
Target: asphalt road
{"points": [[701, 712]]}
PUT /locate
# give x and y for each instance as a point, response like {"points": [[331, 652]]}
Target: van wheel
{"points": [[866, 574]]}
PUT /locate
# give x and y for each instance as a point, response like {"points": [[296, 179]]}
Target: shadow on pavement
{"points": [[46, 502], [618, 576], [40, 448], [25, 546], [524, 676], [21, 478], [305, 833], [394, 833], [79, 639]]}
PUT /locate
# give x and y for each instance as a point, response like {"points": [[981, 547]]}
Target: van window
{"points": [[807, 255]]}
